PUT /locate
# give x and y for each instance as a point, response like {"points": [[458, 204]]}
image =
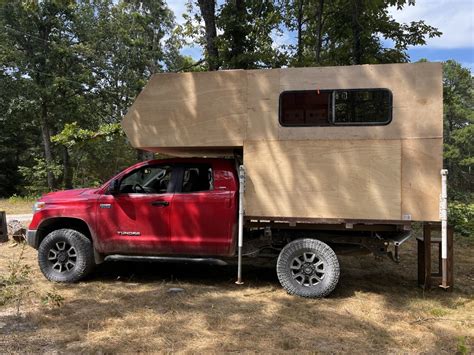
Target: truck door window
{"points": [[147, 179], [197, 178]]}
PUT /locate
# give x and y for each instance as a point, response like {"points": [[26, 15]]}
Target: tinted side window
{"points": [[147, 179], [363, 106], [198, 178], [305, 108], [317, 108]]}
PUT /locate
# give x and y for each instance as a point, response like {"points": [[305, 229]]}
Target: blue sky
{"points": [[455, 18]]}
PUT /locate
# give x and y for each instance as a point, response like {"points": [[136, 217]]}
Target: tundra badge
{"points": [[128, 233]]}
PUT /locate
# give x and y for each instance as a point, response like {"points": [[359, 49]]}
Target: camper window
{"points": [[335, 107], [362, 107], [305, 108]]}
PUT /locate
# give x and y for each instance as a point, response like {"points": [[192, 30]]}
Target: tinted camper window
{"points": [[366, 106], [305, 108], [335, 107]]}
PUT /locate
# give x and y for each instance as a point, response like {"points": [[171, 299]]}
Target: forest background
{"points": [[70, 69]]}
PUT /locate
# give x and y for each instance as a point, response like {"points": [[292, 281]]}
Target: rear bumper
{"points": [[32, 238]]}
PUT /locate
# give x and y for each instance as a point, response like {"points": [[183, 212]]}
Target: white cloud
{"points": [[179, 8], [455, 18]]}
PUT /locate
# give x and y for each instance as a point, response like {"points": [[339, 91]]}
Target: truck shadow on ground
{"points": [[358, 274], [127, 307]]}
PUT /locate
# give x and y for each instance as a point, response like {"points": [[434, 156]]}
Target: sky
{"points": [[455, 18]]}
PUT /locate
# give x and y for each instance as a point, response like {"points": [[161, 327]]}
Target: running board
{"points": [[207, 261]]}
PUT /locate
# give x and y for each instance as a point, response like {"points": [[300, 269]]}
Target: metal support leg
{"points": [[241, 223], [444, 228]]}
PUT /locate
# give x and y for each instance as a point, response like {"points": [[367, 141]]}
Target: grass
{"points": [[17, 205], [126, 307]]}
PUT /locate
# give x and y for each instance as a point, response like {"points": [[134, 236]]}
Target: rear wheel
{"points": [[308, 268], [65, 255]]}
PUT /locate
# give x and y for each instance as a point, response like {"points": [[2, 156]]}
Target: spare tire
{"points": [[308, 268], [65, 255]]}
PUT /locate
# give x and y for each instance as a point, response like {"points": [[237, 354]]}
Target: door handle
{"points": [[160, 203]]}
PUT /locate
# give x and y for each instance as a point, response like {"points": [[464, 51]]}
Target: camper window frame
{"points": [[332, 109]]}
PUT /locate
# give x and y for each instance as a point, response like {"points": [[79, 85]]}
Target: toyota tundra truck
{"points": [[188, 209]]}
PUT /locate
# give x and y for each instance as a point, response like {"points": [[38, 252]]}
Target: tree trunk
{"points": [[208, 12], [48, 155], [356, 32], [319, 34], [238, 37], [299, 19], [67, 174]]}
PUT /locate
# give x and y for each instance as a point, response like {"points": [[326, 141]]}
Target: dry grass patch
{"points": [[16, 205], [126, 307]]}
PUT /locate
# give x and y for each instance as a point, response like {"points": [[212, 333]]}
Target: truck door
{"points": [[203, 213], [137, 219]]}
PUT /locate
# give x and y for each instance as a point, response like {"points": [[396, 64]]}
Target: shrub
{"points": [[461, 216]]}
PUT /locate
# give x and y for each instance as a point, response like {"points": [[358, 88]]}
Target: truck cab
{"points": [[157, 207]]}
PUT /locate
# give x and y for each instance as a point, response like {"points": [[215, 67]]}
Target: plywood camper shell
{"points": [[388, 172]]}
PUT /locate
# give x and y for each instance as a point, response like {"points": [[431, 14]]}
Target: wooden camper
{"points": [[388, 172]]}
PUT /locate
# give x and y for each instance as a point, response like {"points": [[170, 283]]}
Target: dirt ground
{"points": [[126, 307]]}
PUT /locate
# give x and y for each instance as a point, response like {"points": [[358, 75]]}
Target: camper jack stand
{"points": [[241, 223], [427, 278], [444, 276]]}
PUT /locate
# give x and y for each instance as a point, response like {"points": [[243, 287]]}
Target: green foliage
{"points": [[72, 134], [459, 145], [338, 32], [70, 70], [246, 28], [459, 130], [52, 299], [462, 348], [35, 175], [357, 27], [461, 216], [246, 41], [98, 155]]}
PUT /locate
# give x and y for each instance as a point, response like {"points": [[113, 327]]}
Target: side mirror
{"points": [[114, 187]]}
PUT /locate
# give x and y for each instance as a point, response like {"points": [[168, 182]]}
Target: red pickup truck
{"points": [[184, 208]]}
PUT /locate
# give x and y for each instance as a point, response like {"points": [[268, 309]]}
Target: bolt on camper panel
{"points": [[313, 166]]}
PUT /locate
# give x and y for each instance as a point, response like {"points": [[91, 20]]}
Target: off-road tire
{"points": [[74, 268], [300, 249]]}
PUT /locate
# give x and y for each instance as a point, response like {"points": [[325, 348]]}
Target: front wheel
{"points": [[308, 268], [65, 255]]}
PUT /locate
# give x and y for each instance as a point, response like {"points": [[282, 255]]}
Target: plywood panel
{"points": [[417, 99], [323, 179], [422, 160], [263, 95], [190, 109], [372, 172]]}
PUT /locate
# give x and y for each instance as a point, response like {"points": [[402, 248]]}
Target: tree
{"points": [[246, 41], [208, 12], [350, 32], [459, 130], [83, 63], [40, 45], [18, 140], [244, 33]]}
